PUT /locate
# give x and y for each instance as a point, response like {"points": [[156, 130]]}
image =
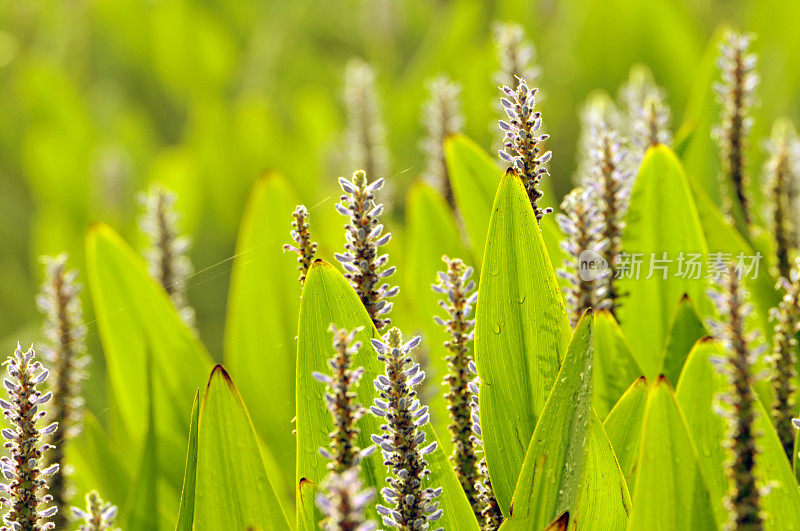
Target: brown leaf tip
{"points": [[559, 524]]}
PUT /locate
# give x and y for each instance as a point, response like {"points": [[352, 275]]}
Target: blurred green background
{"points": [[98, 98]]}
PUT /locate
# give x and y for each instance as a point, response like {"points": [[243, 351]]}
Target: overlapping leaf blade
{"points": [[624, 428], [232, 489], [521, 334], [615, 367], [569, 465], [662, 224], [670, 492]]}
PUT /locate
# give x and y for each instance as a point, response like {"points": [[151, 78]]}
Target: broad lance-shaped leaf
{"points": [[614, 365], [521, 334], [569, 466], [262, 316], [669, 491], [432, 232], [232, 490], [699, 387], [328, 298], [134, 316], [662, 224], [685, 330], [624, 428], [186, 510]]}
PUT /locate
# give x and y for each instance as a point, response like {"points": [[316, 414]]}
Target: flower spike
{"points": [[648, 115], [782, 179], [340, 399], [782, 358], [302, 237], [743, 499], [521, 145], [341, 497], [736, 95], [516, 54], [402, 441], [25, 493], [65, 354], [366, 134], [364, 268], [98, 515], [441, 117], [458, 297], [168, 254], [584, 243]]}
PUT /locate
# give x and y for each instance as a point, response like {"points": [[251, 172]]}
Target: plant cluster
{"points": [[596, 387]]}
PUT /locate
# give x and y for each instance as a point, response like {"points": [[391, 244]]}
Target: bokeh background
{"points": [[99, 98]]}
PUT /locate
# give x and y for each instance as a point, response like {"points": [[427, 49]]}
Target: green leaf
{"points": [[698, 390], [432, 232], [135, 316], [262, 316], [686, 329], [233, 490], [97, 466], [624, 428], [142, 507], [474, 176], [614, 365], [521, 334], [562, 473], [662, 222], [669, 491], [328, 298], [186, 510], [549, 482]]}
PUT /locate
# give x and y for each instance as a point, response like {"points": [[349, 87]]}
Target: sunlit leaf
{"points": [[669, 491], [624, 428], [662, 224], [232, 490], [521, 334], [562, 473]]}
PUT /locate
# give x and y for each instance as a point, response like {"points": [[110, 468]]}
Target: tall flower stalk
{"points": [[782, 358], [521, 144], [459, 297], [65, 354], [342, 498], [168, 252], [516, 55], [366, 134], [99, 515], [782, 178], [610, 183], [441, 117], [25, 494], [647, 113], [585, 247], [409, 505], [743, 499], [364, 267], [304, 246], [736, 95]]}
